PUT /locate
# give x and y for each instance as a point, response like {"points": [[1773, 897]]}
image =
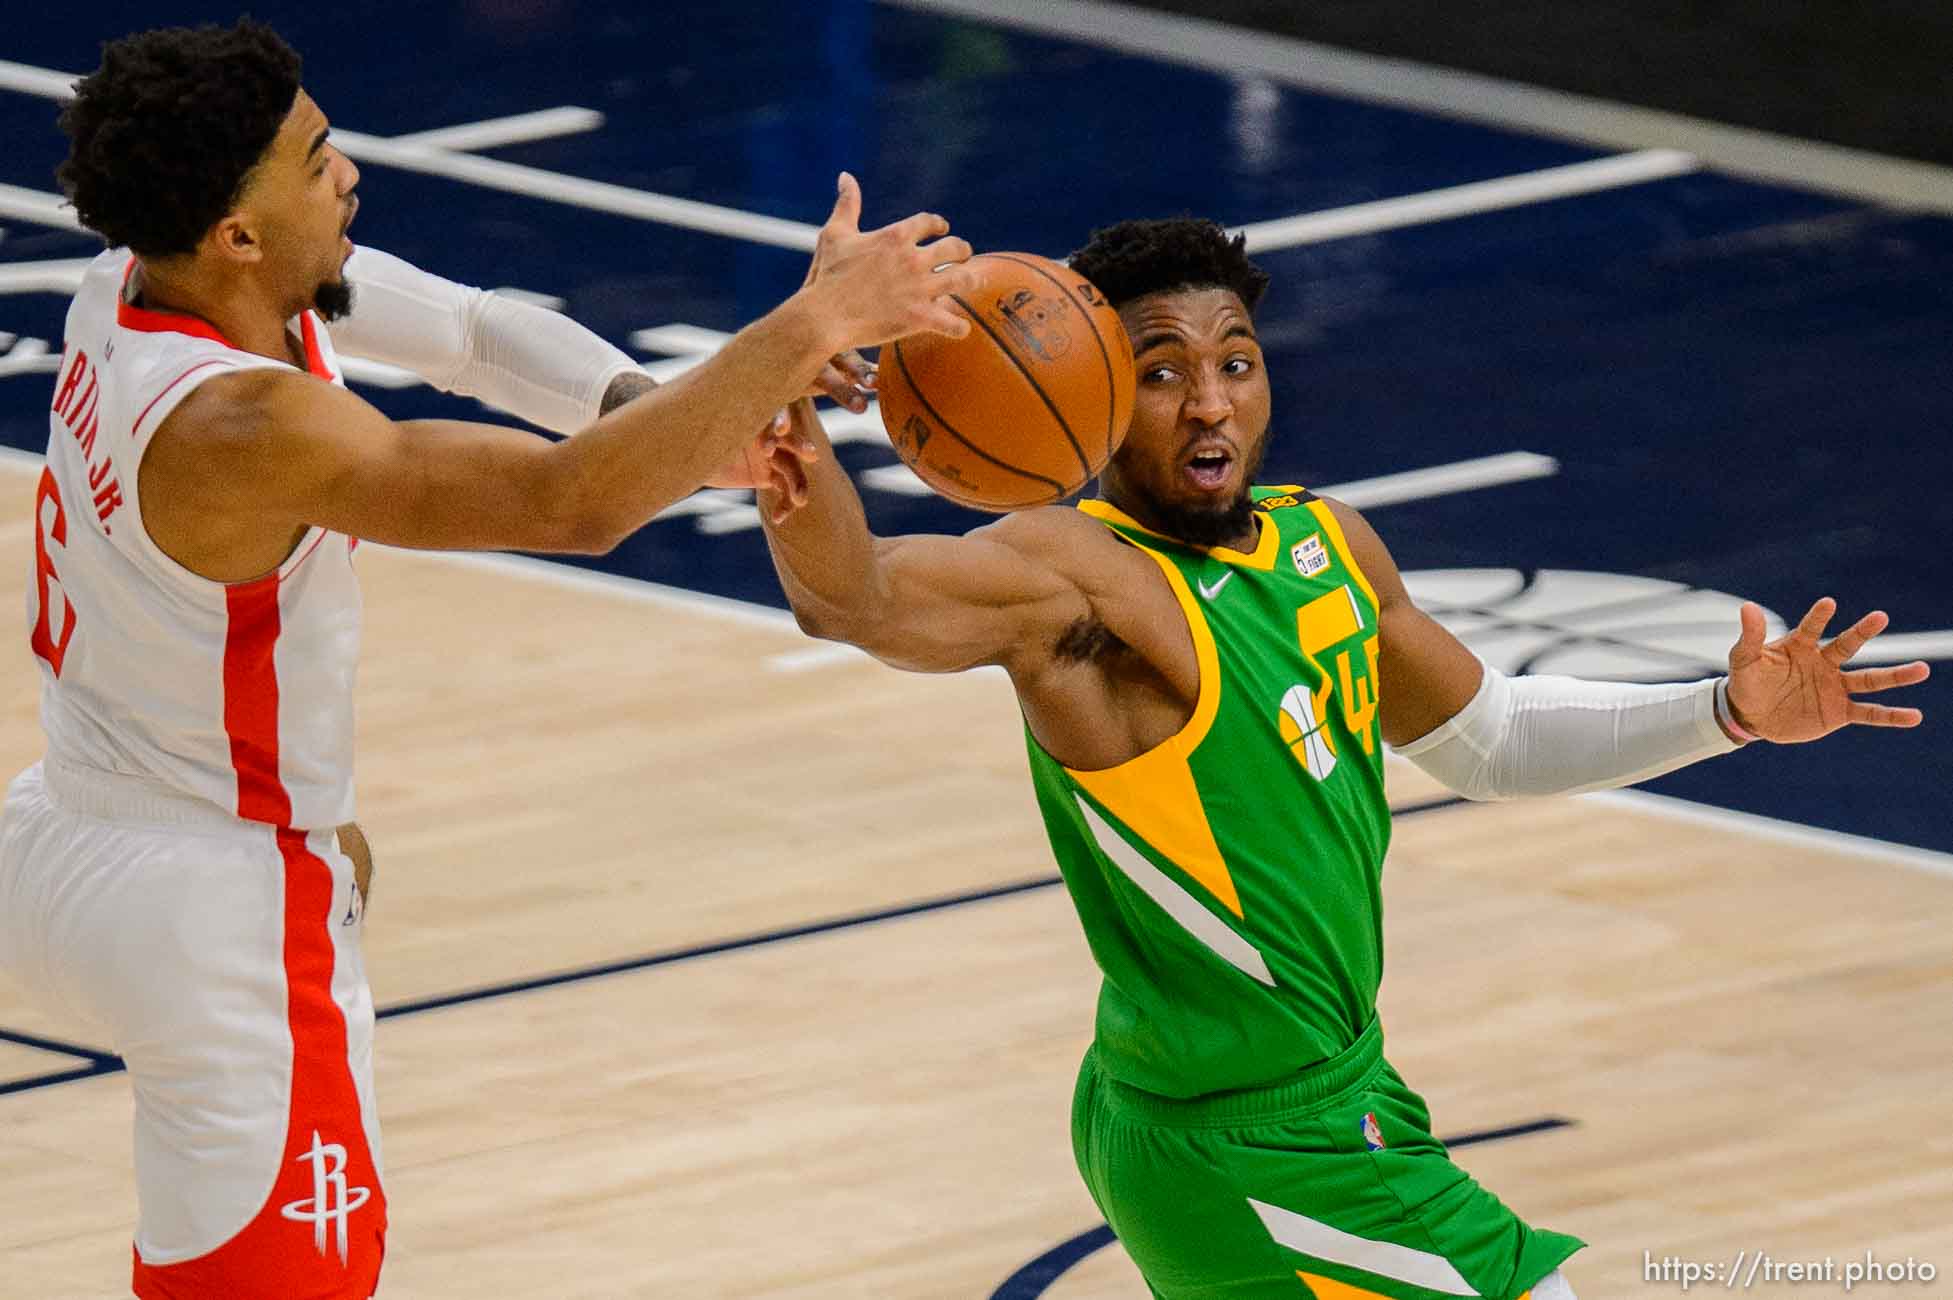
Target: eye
{"points": [[1158, 375], [1238, 366]]}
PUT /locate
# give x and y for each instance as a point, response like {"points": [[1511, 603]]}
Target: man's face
{"points": [[1199, 417], [300, 200]]}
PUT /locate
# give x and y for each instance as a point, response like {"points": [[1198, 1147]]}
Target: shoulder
{"points": [[254, 412], [1044, 528], [1069, 541], [1367, 549]]}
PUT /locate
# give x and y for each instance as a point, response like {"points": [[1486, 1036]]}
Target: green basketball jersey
{"points": [[1229, 880]]}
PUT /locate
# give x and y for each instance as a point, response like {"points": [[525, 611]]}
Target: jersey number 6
{"points": [[49, 647]]}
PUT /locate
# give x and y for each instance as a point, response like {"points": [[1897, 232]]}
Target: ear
{"points": [[234, 239]]}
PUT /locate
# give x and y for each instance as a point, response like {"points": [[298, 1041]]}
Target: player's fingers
{"points": [[1860, 681], [859, 370], [957, 278], [1749, 641], [946, 252], [1853, 639], [921, 226], [845, 219], [800, 437], [943, 318], [1814, 622], [789, 486], [1883, 715], [833, 383]]}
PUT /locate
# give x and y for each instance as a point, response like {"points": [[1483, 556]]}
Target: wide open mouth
{"points": [[1209, 465]]}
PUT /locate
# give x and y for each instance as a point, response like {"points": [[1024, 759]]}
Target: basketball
{"points": [[1025, 409]]}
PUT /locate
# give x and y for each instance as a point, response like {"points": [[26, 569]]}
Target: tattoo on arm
{"points": [[632, 383]]}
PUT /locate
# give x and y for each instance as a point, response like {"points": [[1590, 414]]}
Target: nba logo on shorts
{"points": [[1310, 556], [1372, 1135]]}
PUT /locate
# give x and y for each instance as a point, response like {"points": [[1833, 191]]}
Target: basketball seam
{"points": [[1036, 387], [1105, 354], [902, 364]]}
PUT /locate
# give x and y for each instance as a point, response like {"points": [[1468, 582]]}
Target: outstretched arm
{"points": [[925, 603], [1489, 736], [247, 459], [516, 356]]}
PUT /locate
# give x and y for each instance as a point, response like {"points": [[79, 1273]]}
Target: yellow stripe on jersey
{"points": [[1326, 1288], [1267, 546], [1330, 525], [1155, 794]]}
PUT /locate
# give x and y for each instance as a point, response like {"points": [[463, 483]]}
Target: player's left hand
{"points": [[1797, 688], [776, 459]]}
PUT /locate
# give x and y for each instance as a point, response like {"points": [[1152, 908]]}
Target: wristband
{"points": [[1726, 715]]}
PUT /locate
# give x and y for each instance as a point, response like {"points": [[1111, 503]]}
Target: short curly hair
{"points": [[1135, 258], [163, 135]]}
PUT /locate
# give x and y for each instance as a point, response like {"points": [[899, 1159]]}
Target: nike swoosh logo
{"points": [[1208, 593]]}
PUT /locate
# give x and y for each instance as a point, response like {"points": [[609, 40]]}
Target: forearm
{"points": [[659, 447], [824, 552], [1536, 735]]}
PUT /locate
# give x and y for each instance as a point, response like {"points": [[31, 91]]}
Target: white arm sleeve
{"points": [[1560, 735], [526, 360]]}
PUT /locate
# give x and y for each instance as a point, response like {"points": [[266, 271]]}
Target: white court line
{"points": [[1466, 200], [29, 80], [40, 208], [657, 595], [518, 128], [1903, 647], [680, 340], [61, 275], [493, 174], [1438, 480], [1243, 53], [574, 191], [1773, 828]]}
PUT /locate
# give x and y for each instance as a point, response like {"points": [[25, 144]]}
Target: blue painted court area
{"points": [[1742, 384]]}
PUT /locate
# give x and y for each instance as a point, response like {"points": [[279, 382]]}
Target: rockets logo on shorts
{"points": [[332, 1202]]}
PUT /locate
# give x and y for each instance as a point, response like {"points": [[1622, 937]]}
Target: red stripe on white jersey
{"points": [[251, 700]]}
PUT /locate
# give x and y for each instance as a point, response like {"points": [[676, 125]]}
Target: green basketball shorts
{"points": [[1328, 1185]]}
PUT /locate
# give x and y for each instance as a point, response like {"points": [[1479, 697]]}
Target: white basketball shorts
{"points": [[221, 958]]}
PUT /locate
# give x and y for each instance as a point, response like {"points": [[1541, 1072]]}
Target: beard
{"points": [[333, 300], [1204, 525]]}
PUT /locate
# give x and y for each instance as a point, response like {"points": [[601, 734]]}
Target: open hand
{"points": [[1797, 688], [876, 286]]}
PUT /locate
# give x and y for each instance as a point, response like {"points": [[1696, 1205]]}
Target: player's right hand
{"points": [[875, 286]]}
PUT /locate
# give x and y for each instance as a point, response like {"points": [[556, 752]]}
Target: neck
{"points": [[239, 310], [1175, 524]]}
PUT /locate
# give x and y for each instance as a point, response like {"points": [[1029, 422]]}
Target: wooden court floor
{"points": [[1751, 1031]]}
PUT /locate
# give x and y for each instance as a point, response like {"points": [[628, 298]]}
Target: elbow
{"points": [[589, 534], [822, 621]]}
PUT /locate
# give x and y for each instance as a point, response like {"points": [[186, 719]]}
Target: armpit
{"points": [[1087, 640]]}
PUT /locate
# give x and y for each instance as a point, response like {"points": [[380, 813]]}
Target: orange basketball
{"points": [[1027, 408]]}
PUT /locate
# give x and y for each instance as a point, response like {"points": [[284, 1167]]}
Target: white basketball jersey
{"points": [[241, 693]]}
